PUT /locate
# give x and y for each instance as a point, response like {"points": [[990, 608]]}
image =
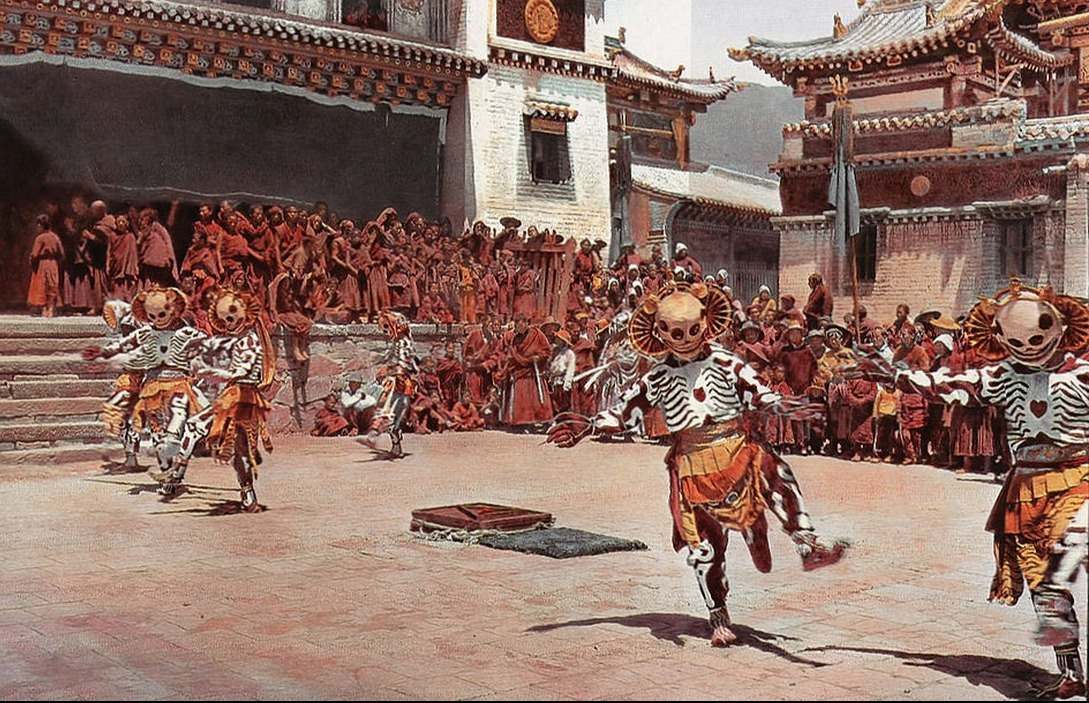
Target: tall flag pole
{"points": [[842, 188]]}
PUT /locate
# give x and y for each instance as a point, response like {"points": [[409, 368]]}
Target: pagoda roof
{"points": [[635, 71], [897, 28]]}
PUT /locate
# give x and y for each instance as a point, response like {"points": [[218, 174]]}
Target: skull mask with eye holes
{"points": [[1030, 329], [161, 308], [1033, 326], [232, 312], [680, 320]]}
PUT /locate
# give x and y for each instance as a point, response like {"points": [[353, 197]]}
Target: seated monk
{"points": [[465, 418], [329, 422]]}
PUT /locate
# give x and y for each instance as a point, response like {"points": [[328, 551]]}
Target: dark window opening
{"points": [[1015, 247], [365, 14], [549, 158], [260, 4], [866, 253]]}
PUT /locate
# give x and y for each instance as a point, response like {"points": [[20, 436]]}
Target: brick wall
{"points": [[498, 181], [943, 264], [1076, 236]]}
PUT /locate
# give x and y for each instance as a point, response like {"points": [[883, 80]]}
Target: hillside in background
{"points": [[744, 131]]}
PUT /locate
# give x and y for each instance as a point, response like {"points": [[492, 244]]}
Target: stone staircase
{"points": [[49, 397]]}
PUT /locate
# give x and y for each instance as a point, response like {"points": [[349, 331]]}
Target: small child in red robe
{"points": [[465, 418], [329, 422]]}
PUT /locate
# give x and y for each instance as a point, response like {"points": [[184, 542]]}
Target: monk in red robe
{"points": [[158, 266], [475, 352], [45, 260], [329, 422], [122, 258], [527, 353], [525, 292], [465, 418]]}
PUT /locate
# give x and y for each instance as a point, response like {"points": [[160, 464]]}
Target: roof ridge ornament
{"points": [[839, 30], [839, 87]]}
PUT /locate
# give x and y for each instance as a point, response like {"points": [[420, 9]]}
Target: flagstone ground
{"points": [[107, 592]]}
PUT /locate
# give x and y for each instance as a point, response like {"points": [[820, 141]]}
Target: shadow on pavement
{"points": [[217, 508], [1012, 678], [670, 627], [119, 468]]}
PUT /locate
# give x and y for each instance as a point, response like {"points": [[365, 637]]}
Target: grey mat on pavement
{"points": [[561, 543]]}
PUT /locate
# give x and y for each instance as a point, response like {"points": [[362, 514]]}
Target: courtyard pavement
{"points": [[106, 592]]}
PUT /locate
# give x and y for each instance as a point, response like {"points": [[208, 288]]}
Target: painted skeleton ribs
{"points": [[165, 362]]}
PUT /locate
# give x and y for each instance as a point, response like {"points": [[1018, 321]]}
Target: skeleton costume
{"points": [[161, 348], [1041, 516], [117, 410], [398, 382], [720, 480], [236, 424]]}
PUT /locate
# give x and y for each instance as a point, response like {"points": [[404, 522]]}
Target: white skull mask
{"points": [[1030, 329], [231, 310], [681, 324], [159, 310]]}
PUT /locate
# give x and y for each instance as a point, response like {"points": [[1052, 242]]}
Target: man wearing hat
{"points": [[682, 259], [561, 371], [358, 405]]}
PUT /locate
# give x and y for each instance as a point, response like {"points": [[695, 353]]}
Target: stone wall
{"points": [[497, 178], [335, 351], [930, 263]]}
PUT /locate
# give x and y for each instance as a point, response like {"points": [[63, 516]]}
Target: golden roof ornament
{"points": [[839, 88], [839, 30]]}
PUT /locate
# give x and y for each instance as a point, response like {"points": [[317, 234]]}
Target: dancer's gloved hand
{"points": [[568, 429], [798, 408], [871, 367]]}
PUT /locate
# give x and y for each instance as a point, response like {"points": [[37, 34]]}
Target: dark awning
{"points": [[136, 136]]}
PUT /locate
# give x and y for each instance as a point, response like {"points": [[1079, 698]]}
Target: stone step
{"points": [[86, 407], [23, 326], [59, 454], [20, 432], [45, 365], [57, 387], [14, 346]]}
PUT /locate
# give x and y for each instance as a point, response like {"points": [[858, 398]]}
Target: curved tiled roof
{"points": [[1050, 128], [536, 107], [716, 186], [280, 26], [902, 28], [634, 70]]}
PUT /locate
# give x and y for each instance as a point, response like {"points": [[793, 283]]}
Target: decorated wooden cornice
{"points": [[544, 61], [213, 41], [898, 158], [988, 113]]}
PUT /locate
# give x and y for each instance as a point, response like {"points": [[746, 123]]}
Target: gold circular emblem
{"points": [[920, 186], [542, 20]]}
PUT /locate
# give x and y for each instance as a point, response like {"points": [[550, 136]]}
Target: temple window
{"points": [[550, 161], [1015, 247], [866, 253]]}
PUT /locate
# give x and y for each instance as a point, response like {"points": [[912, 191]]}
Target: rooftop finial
{"points": [[838, 28]]}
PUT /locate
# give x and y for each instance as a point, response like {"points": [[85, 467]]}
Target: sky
{"points": [[697, 33]]}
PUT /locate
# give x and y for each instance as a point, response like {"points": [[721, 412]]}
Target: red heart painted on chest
{"points": [[1038, 407], [699, 394]]}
